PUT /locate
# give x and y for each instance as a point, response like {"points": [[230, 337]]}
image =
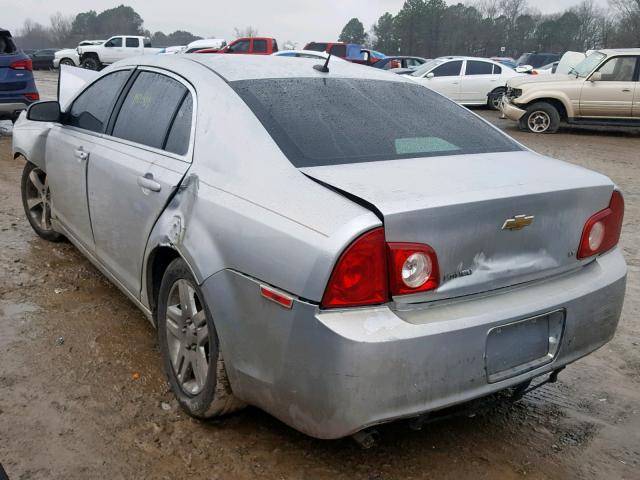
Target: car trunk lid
{"points": [[459, 205]]}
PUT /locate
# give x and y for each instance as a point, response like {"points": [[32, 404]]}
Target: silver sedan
{"points": [[340, 248]]}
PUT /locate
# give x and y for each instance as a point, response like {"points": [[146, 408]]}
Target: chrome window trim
{"points": [[187, 157]]}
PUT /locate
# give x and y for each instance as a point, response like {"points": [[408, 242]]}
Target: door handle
{"points": [[147, 181], [626, 90], [81, 155]]}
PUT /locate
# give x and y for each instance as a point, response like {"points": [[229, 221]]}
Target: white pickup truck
{"points": [[94, 57]]}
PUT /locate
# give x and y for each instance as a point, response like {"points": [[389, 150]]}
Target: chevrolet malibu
{"points": [[340, 248]]}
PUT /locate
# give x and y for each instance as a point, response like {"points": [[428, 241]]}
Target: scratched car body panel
{"points": [[248, 204]]}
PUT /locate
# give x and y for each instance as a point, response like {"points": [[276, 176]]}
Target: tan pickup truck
{"points": [[603, 89]]}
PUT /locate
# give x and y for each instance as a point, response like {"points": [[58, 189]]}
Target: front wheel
{"points": [[91, 63], [189, 347], [36, 200], [541, 117], [67, 61]]}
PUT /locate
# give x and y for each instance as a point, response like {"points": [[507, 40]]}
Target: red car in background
{"points": [[250, 46]]}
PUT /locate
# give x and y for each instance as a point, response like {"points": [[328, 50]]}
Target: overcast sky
{"points": [[297, 20]]}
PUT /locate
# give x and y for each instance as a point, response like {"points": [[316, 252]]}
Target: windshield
{"points": [[586, 66], [424, 68], [332, 121]]}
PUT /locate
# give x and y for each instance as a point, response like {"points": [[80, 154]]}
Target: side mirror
{"points": [[430, 75], [595, 77], [44, 112]]}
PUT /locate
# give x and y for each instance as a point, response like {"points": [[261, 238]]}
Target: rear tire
{"points": [[189, 346], [495, 97], [541, 117], [36, 200]]}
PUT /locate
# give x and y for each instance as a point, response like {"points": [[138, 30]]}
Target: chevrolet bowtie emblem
{"points": [[518, 222]]}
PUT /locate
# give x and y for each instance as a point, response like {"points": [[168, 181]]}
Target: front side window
{"points": [[449, 69], [241, 46], [475, 67], [619, 69], [91, 110], [114, 42], [148, 109], [339, 50], [332, 121], [132, 42], [260, 46]]}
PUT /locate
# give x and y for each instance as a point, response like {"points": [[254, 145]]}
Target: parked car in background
{"points": [[508, 61], [388, 63], [603, 89], [374, 252], [305, 54], [17, 86], [466, 80], [119, 47], [172, 50], [249, 46], [43, 59], [536, 59], [352, 52], [203, 43], [69, 56]]}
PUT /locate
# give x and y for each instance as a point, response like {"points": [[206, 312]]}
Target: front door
{"points": [[611, 95], [445, 80], [113, 51], [68, 154], [134, 171]]}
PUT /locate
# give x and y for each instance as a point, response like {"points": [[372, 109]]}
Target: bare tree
{"points": [[60, 29], [246, 32], [289, 45]]}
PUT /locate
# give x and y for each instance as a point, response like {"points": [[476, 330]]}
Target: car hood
{"points": [[65, 51], [518, 82]]}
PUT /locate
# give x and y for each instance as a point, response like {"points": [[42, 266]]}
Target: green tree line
{"points": [[432, 28], [68, 31]]}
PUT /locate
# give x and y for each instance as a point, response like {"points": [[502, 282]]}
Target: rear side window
{"points": [[449, 69], [132, 42], [332, 121], [475, 67], [91, 110], [260, 46], [6, 44], [497, 70], [180, 133], [148, 109]]}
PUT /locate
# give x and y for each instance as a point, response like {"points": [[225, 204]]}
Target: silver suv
{"points": [[601, 90]]}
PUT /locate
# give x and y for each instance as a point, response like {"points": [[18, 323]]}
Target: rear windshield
{"points": [[6, 44], [332, 121]]}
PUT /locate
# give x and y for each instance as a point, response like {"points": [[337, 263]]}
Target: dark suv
{"points": [[537, 59], [17, 87]]}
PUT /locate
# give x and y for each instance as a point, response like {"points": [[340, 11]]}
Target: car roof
{"points": [[620, 51], [250, 67]]}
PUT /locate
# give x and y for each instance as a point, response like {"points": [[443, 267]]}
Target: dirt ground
{"points": [[82, 394]]}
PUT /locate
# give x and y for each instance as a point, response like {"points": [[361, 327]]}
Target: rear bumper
{"points": [[332, 373], [510, 110]]}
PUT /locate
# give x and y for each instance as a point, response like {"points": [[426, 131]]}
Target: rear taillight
{"points": [[34, 96], [413, 267], [22, 65], [360, 276], [370, 270], [602, 230]]}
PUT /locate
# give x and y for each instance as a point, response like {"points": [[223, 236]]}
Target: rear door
{"points": [[10, 79], [134, 171], [477, 82], [612, 95], [69, 150], [132, 46]]}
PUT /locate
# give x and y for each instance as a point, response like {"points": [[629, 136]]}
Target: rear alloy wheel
{"points": [[36, 200], [189, 346], [541, 117], [494, 98]]}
